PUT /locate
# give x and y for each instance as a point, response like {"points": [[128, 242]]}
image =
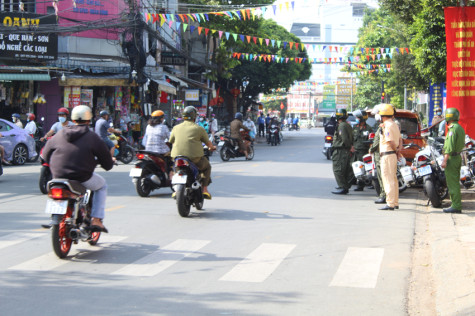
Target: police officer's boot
{"points": [[340, 191]]}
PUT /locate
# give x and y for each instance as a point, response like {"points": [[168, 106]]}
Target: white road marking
{"points": [[162, 259], [16, 238], [359, 268], [50, 261], [259, 264]]}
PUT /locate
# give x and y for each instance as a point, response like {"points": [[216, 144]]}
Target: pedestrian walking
{"points": [[453, 146], [261, 123], [342, 151], [389, 145]]}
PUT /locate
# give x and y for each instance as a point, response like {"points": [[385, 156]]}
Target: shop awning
{"points": [[102, 80], [195, 84], [165, 86], [25, 77], [179, 81]]}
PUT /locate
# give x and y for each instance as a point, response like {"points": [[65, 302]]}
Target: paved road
{"points": [[273, 241]]}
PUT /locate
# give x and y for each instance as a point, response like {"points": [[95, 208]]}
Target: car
{"points": [[19, 145], [411, 132]]}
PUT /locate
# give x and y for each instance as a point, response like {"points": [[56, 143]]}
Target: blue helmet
{"points": [[103, 113], [238, 116], [16, 115]]}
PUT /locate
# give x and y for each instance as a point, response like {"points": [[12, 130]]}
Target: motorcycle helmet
{"points": [[103, 113], [452, 114], [438, 111], [63, 111], [81, 113], [238, 116], [341, 114], [30, 116], [189, 113], [16, 115], [386, 110], [158, 113]]}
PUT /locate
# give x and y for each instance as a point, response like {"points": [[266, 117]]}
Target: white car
{"points": [[19, 145]]}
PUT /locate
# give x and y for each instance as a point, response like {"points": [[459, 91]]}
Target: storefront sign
{"points": [[201, 110], [178, 102], [167, 58], [18, 45], [192, 95], [86, 97], [460, 40], [328, 103], [72, 96]]}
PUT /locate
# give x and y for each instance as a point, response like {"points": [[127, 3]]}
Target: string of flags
{"points": [[241, 14]]}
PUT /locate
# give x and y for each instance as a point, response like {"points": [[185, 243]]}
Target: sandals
{"points": [[207, 195]]}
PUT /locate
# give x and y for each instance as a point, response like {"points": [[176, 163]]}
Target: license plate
{"points": [[327, 145], [221, 143], [406, 171], [179, 179], [424, 170], [368, 166], [56, 207], [135, 172]]}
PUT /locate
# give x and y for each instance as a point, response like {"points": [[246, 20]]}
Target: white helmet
{"points": [[81, 113]]}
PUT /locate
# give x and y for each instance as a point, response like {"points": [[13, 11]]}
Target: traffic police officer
{"points": [[374, 149], [453, 146], [342, 150], [390, 145], [360, 139]]}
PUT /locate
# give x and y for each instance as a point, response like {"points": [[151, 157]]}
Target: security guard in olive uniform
{"points": [[453, 146], [342, 151], [374, 149], [361, 133]]}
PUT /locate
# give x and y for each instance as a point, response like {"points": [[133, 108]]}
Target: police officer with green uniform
{"points": [[374, 149], [453, 146], [342, 151], [361, 133]]}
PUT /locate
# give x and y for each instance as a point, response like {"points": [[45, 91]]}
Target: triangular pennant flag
{"points": [[278, 43], [297, 46], [330, 48], [162, 21], [254, 39], [407, 50], [241, 37], [177, 25], [272, 42], [243, 14], [260, 58], [155, 17], [185, 26], [248, 38], [286, 60], [220, 33], [285, 44], [170, 24], [291, 44], [372, 50], [378, 56], [206, 31], [192, 28], [200, 29], [235, 37], [147, 17], [181, 18], [260, 40], [248, 11], [293, 3], [267, 41], [227, 35], [274, 8], [239, 14], [207, 17]]}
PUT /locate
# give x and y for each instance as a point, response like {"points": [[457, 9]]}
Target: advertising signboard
{"points": [[19, 45], [192, 95], [328, 103]]}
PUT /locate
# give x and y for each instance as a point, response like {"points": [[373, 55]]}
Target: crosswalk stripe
{"points": [[259, 264], [50, 261], [359, 268], [163, 258], [16, 238]]}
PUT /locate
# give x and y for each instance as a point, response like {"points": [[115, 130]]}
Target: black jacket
{"points": [[72, 153]]}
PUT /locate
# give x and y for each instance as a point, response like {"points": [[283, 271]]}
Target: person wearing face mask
{"points": [[16, 120], [63, 114], [361, 133], [204, 123], [252, 127], [374, 149], [235, 127], [438, 116], [30, 126], [213, 127]]}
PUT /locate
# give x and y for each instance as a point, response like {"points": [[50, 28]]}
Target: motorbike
{"points": [[327, 146], [467, 171], [45, 172], [150, 173], [69, 205], [186, 182], [294, 127], [230, 147], [123, 151], [273, 137]]}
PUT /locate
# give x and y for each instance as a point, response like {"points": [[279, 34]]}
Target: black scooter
{"points": [[230, 148]]}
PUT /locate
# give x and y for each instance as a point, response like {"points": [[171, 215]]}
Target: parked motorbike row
{"points": [[425, 171]]}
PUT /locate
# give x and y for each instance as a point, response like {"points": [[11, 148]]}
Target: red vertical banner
{"points": [[460, 39]]}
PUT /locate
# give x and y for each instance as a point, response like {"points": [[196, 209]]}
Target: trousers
{"points": [[205, 168], [389, 176], [342, 170], [452, 176], [97, 184]]}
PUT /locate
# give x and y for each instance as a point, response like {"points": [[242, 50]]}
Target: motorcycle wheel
{"points": [[275, 141], [329, 154], [250, 154], [45, 176], [127, 156], [61, 242], [142, 187], [402, 184], [183, 207], [94, 238], [224, 153], [431, 192]]}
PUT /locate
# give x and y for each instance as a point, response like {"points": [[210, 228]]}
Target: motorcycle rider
{"points": [[361, 132], [342, 152], [103, 129], [249, 123], [30, 126], [156, 135], [187, 139], [453, 146], [374, 149], [72, 155], [63, 114], [16, 120], [236, 126], [330, 126], [213, 127], [203, 123]]}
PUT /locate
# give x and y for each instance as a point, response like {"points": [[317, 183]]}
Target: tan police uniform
{"points": [[390, 132]]}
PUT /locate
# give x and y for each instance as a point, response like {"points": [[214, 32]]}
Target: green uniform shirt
{"points": [[455, 140], [343, 136], [360, 137], [374, 149], [187, 139]]}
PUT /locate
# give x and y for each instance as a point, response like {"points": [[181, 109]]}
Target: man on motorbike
{"points": [[361, 133], [453, 146], [103, 129], [72, 155], [30, 126], [187, 139], [62, 122], [236, 126], [16, 120]]}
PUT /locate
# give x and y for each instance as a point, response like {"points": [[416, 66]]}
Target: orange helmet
{"points": [[158, 113]]}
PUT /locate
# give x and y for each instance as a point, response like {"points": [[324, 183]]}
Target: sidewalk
{"points": [[443, 274]]}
